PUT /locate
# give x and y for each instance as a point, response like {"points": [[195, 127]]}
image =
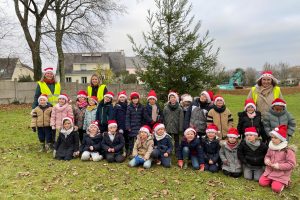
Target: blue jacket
{"points": [[88, 141], [164, 145], [120, 114], [148, 115], [134, 118], [118, 143], [211, 150], [194, 147], [103, 114]]}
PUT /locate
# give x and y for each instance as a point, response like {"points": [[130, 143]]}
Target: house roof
{"points": [[131, 61]]}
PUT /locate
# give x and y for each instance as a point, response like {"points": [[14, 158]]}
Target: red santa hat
{"points": [[122, 94], [134, 95], [112, 123], [64, 96], [82, 93], [279, 102], [233, 132], [212, 128], [218, 97], [109, 94], [280, 132], [152, 95], [94, 123], [146, 129], [94, 98], [186, 97], [251, 131], [190, 129], [49, 69], [209, 95], [174, 94], [268, 74], [249, 102], [71, 119], [158, 126], [43, 96]]}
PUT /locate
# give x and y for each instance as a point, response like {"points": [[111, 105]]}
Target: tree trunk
{"points": [[61, 58], [37, 63]]}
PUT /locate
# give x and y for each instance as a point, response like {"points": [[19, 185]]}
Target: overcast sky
{"points": [[249, 33]]}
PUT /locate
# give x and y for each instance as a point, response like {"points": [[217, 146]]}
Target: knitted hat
{"points": [[109, 94], [158, 126], [82, 93], [190, 129], [218, 97], [43, 96], [249, 102], [212, 128], [64, 96], [134, 95], [122, 94], [209, 95], [152, 95], [267, 74], [146, 129], [94, 98], [251, 131], [280, 132], [112, 123], [71, 119], [49, 69], [279, 102], [233, 132], [174, 94], [186, 97], [94, 123]]}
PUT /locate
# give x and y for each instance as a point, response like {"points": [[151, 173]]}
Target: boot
{"points": [[42, 147], [48, 148]]}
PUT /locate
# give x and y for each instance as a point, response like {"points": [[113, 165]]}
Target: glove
{"points": [[180, 163], [201, 167], [33, 129], [121, 131]]}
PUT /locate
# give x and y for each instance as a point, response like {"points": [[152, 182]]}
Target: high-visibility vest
{"points": [[276, 93], [52, 98], [99, 92]]}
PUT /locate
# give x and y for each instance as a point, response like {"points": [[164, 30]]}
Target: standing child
{"points": [[280, 160], [190, 148], [105, 111], [211, 148], [251, 153], [67, 145], [173, 118], [153, 113], [162, 146], [186, 103], [41, 119], [221, 116], [79, 112], [113, 143], [91, 143], [143, 147], [90, 112], [228, 154]]}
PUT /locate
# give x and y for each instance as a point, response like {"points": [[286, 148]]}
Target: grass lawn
{"points": [[27, 174]]}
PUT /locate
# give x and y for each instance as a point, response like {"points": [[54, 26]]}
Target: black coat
{"points": [[120, 114], [135, 117], [148, 115], [88, 141], [164, 145], [118, 143], [211, 150], [66, 146], [253, 158], [194, 147], [103, 114]]}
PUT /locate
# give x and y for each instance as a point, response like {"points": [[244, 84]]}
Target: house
{"points": [[81, 66], [293, 75], [13, 68], [131, 63]]}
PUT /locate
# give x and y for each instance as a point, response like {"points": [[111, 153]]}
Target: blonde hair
{"points": [[99, 79]]}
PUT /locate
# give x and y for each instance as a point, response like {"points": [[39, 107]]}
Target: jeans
{"points": [[137, 160], [45, 134], [211, 167], [253, 172], [186, 156], [86, 155], [157, 155]]}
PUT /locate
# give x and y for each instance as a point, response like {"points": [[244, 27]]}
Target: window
{"points": [[83, 79], [68, 79], [83, 67]]}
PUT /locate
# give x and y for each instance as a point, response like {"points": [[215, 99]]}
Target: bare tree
{"points": [[284, 71], [250, 76], [269, 67]]}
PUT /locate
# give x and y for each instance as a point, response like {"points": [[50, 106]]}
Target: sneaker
{"points": [[158, 162]]}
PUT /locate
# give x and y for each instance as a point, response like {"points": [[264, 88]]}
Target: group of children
{"points": [[96, 130]]}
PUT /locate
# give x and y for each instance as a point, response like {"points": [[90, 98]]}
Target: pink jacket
{"points": [[58, 113], [286, 159]]}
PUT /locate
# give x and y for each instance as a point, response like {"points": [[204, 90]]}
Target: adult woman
{"points": [[96, 88], [264, 92]]}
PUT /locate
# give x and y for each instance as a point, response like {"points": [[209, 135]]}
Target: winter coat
{"points": [[223, 120], [164, 145], [252, 158], [104, 113], [60, 112], [134, 119], [38, 93], [66, 146], [286, 159], [79, 114], [88, 141], [143, 149], [148, 115], [198, 120], [118, 143], [89, 116], [211, 150], [120, 114], [41, 116], [194, 147], [173, 119], [274, 119], [227, 154]]}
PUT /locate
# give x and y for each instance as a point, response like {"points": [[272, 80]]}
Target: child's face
{"points": [[152, 101], [251, 137], [135, 100], [93, 130], [275, 140], [91, 102], [190, 136], [67, 125], [173, 99], [160, 131], [122, 99], [62, 101], [107, 99], [277, 108], [203, 98], [219, 103], [143, 135], [187, 103], [232, 140], [112, 129], [82, 99], [250, 109], [211, 135], [42, 102]]}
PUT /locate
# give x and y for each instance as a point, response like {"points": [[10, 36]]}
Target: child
{"points": [[90, 112], [251, 118], [79, 112], [220, 116], [67, 145], [173, 118], [90, 148], [113, 143], [153, 113], [228, 154], [143, 147], [41, 119], [185, 103], [190, 148], [278, 115], [134, 119], [105, 111], [280, 160], [162, 146], [211, 149], [251, 153]]}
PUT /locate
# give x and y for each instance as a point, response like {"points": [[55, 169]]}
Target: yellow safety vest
{"points": [[52, 98], [99, 93], [276, 93]]}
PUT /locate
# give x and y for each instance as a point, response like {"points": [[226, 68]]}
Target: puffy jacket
{"points": [[41, 116], [60, 112], [198, 120], [143, 149], [104, 113], [118, 143], [194, 147], [253, 158], [211, 150], [120, 114], [66, 146], [88, 141], [148, 115], [164, 145], [89, 116], [227, 154], [173, 119], [79, 114], [134, 118]]}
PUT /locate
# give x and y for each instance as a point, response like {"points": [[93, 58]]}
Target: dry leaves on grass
{"points": [[216, 182], [24, 174]]}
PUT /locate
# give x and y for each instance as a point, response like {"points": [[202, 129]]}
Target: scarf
{"points": [[253, 146], [61, 108], [231, 145], [251, 115], [47, 81], [279, 146], [66, 132], [154, 112], [90, 108], [203, 105], [111, 136], [82, 104], [160, 137], [173, 107], [219, 110], [264, 99]]}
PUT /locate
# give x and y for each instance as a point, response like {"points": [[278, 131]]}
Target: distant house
{"points": [[131, 62], [293, 75], [12, 68], [80, 66]]}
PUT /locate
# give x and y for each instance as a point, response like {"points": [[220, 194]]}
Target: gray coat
{"points": [[198, 119], [88, 118], [226, 153], [273, 119], [173, 119]]}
